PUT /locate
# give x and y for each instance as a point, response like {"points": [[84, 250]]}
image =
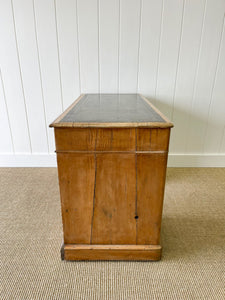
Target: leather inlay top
{"points": [[112, 108]]}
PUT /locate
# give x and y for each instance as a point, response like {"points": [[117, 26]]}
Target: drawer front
{"points": [[95, 139], [153, 139], [72, 139], [112, 139]]}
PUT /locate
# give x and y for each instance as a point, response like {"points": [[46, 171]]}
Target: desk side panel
{"points": [[115, 199], [151, 174], [76, 180]]}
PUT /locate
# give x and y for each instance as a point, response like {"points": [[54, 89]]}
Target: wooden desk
{"points": [[112, 155]]}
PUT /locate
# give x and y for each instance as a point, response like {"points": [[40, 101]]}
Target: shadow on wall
{"points": [[192, 132]]}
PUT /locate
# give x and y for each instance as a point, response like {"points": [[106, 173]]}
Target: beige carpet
{"points": [[193, 237]]}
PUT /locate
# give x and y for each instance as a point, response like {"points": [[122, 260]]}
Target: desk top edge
{"points": [[58, 122]]}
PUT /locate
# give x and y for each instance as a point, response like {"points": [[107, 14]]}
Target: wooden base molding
{"points": [[111, 252]]}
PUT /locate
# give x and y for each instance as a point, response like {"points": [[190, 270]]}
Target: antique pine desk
{"points": [[112, 155]]}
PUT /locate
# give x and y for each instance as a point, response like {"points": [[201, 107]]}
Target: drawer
{"points": [[95, 139], [153, 139]]}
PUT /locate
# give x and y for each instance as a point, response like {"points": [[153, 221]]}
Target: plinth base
{"points": [[111, 252]]}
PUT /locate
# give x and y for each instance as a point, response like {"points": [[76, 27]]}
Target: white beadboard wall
{"points": [[172, 51]]}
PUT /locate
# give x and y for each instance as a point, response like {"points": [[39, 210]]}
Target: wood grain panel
{"points": [[70, 139], [77, 180], [90, 139], [152, 139], [115, 198], [116, 139], [151, 172]]}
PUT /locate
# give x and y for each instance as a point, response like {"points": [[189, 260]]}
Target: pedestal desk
{"points": [[112, 155]]}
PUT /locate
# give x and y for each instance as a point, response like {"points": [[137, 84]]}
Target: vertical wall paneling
{"points": [[188, 60], [108, 45], [88, 45], [6, 144], [169, 54], [66, 17], [27, 47], [205, 75], [44, 14], [11, 76], [216, 118], [129, 45], [149, 46], [222, 144], [171, 51]]}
